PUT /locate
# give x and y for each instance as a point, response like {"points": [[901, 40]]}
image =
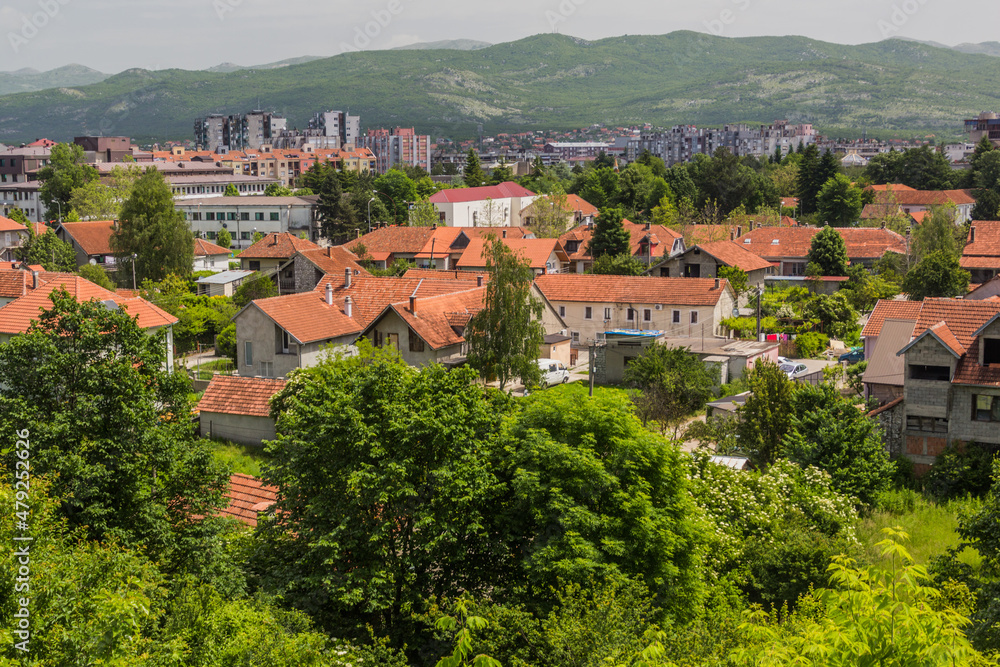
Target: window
{"points": [[196, 216], [607, 314], [416, 343], [258, 216], [575, 336], [986, 408], [211, 235], [629, 315], [285, 341], [588, 313], [676, 318], [694, 317], [926, 424], [210, 215], [647, 315], [244, 216], [245, 236], [255, 265], [991, 351], [274, 217], [935, 373], [562, 311], [248, 354], [266, 369]]}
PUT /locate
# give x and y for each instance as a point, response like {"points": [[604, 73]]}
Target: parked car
{"points": [[553, 372], [784, 360], [793, 370], [855, 356]]}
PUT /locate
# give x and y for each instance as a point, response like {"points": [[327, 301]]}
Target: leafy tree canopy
{"points": [[609, 235], [829, 252], [66, 171]]}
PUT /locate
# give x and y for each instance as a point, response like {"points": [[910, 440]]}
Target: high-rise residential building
{"points": [[252, 130], [986, 125], [398, 146], [682, 142], [338, 124]]}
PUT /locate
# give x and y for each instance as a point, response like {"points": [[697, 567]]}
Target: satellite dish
{"points": [[93, 261], [736, 311]]}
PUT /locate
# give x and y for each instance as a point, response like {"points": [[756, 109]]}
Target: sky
{"points": [[114, 35]]}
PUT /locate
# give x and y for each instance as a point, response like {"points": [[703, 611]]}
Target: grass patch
{"points": [[208, 369], [932, 527], [239, 458]]}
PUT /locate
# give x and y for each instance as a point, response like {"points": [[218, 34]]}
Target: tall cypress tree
{"points": [[610, 236], [806, 186], [474, 174]]}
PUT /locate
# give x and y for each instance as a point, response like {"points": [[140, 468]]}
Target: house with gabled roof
{"points": [[209, 256], [487, 206], [309, 267], [543, 255], [677, 307], [908, 201], [951, 377], [91, 241], [578, 211], [239, 409], [647, 242], [704, 261], [273, 251], [981, 256], [426, 247], [788, 247]]}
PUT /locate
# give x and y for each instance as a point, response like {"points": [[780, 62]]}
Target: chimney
{"points": [[348, 307], [479, 281], [739, 232], [645, 227], [329, 251], [505, 233], [972, 233], [716, 283], [34, 280], [329, 294], [413, 304], [732, 236], [347, 278]]}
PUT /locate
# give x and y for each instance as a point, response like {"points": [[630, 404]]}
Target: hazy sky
{"points": [[112, 35]]}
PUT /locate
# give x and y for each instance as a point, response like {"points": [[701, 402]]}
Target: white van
{"points": [[553, 372]]}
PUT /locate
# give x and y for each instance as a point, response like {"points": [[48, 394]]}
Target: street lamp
{"points": [[394, 217], [134, 257], [370, 214]]}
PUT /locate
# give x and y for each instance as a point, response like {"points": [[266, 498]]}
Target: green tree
{"points": [[765, 417], [987, 205], [609, 236], [670, 383], [807, 184], [595, 496], [549, 215], [339, 221], [939, 233], [839, 202], [504, 337], [383, 468], [253, 288], [617, 265], [738, 280], [835, 312], [66, 171], [18, 216], [830, 433], [936, 275], [48, 250], [151, 232], [401, 189], [97, 200], [109, 424], [829, 252], [423, 214], [501, 173], [96, 274], [224, 239], [272, 190], [474, 175], [599, 186]]}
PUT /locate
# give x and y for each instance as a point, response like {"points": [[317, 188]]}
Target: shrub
{"points": [[958, 472], [812, 344]]}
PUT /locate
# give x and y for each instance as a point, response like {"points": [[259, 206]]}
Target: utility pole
{"points": [[760, 296]]}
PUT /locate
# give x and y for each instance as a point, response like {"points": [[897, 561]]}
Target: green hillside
{"points": [[29, 80], [548, 81]]}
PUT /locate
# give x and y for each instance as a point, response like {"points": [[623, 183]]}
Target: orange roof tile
{"points": [[307, 317], [983, 242], [536, 251], [910, 197], [16, 317], [8, 225], [203, 248], [505, 190], [733, 254], [947, 338], [234, 395], [393, 239], [277, 246], [896, 187], [93, 237], [333, 260], [371, 295], [795, 242], [630, 289], [14, 284], [437, 318], [662, 238], [963, 317], [248, 496], [887, 309]]}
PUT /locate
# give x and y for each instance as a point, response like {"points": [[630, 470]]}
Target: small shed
{"points": [[616, 349], [248, 497], [222, 284], [238, 409], [734, 462]]}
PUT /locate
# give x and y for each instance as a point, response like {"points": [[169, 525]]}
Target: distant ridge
{"points": [[548, 81], [28, 80], [983, 48], [453, 44], [225, 68]]}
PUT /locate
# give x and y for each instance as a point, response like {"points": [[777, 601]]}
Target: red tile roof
{"points": [[795, 242], [203, 248], [662, 238], [234, 395], [439, 274], [333, 260], [630, 289], [93, 237], [393, 239], [437, 318], [733, 254], [984, 251], [890, 310], [307, 317], [277, 246], [14, 284], [16, 317], [8, 225], [505, 190], [248, 496], [924, 198], [963, 317], [947, 338], [371, 295], [536, 251]]}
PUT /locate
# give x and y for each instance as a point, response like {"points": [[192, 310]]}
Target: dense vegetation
{"points": [[549, 81]]}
